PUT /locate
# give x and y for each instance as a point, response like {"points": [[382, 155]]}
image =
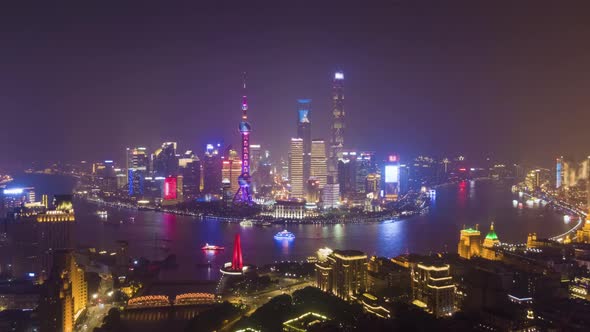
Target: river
{"points": [[468, 203]]}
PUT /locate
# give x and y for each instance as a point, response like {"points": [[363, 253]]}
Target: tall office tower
{"points": [[347, 166], [319, 167], [104, 175], [338, 124], [190, 169], [404, 179], [231, 170], [64, 294], [344, 273], [433, 289], [469, 243], [137, 168], [312, 190], [304, 132], [165, 161], [365, 165], [392, 178], [296, 167], [373, 184], [54, 230], [212, 170], [244, 195], [331, 194], [583, 234], [559, 173], [255, 157]]}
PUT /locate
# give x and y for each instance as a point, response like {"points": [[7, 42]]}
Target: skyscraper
{"points": [[137, 166], [190, 169], [255, 157], [296, 167], [469, 243], [338, 124], [64, 294], [344, 273], [433, 289], [165, 160], [318, 169], [304, 132], [212, 170], [559, 173], [231, 170]]}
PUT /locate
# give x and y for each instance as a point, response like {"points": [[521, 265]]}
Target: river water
{"points": [[468, 203]]}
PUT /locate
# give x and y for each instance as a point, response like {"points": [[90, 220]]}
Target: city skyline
{"points": [[153, 80]]}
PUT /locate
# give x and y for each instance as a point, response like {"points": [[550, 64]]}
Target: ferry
{"points": [[208, 246], [246, 223], [4, 179], [284, 235], [102, 213]]}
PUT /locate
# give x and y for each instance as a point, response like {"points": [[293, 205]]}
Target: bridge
{"points": [[163, 301], [149, 301]]}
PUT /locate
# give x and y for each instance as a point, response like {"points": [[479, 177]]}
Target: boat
{"points": [[284, 235], [208, 246], [266, 223], [4, 179], [102, 213], [246, 223]]}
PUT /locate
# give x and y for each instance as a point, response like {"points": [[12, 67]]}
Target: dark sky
{"points": [[436, 77]]}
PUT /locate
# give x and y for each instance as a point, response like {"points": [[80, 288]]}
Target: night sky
{"points": [[436, 77]]}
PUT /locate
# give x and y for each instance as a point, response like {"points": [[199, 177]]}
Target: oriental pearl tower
{"points": [[243, 194]]}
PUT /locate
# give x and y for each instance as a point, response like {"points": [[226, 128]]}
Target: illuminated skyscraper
{"points": [[559, 173], [469, 243], [231, 170], [338, 124], [190, 169], [244, 195], [255, 157], [392, 178], [433, 289], [304, 132], [331, 194], [318, 168], [296, 167], [344, 273], [212, 170], [137, 167], [64, 294]]}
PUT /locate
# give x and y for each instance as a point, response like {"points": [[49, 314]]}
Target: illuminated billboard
{"points": [[391, 174], [303, 116], [170, 188]]}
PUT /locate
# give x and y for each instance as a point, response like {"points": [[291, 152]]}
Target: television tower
{"points": [[243, 194]]}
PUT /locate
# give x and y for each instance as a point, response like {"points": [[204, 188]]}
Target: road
{"points": [[93, 318], [256, 300]]}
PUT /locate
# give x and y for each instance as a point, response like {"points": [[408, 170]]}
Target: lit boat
{"points": [[208, 246], [246, 223], [102, 213], [4, 179], [284, 235]]}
